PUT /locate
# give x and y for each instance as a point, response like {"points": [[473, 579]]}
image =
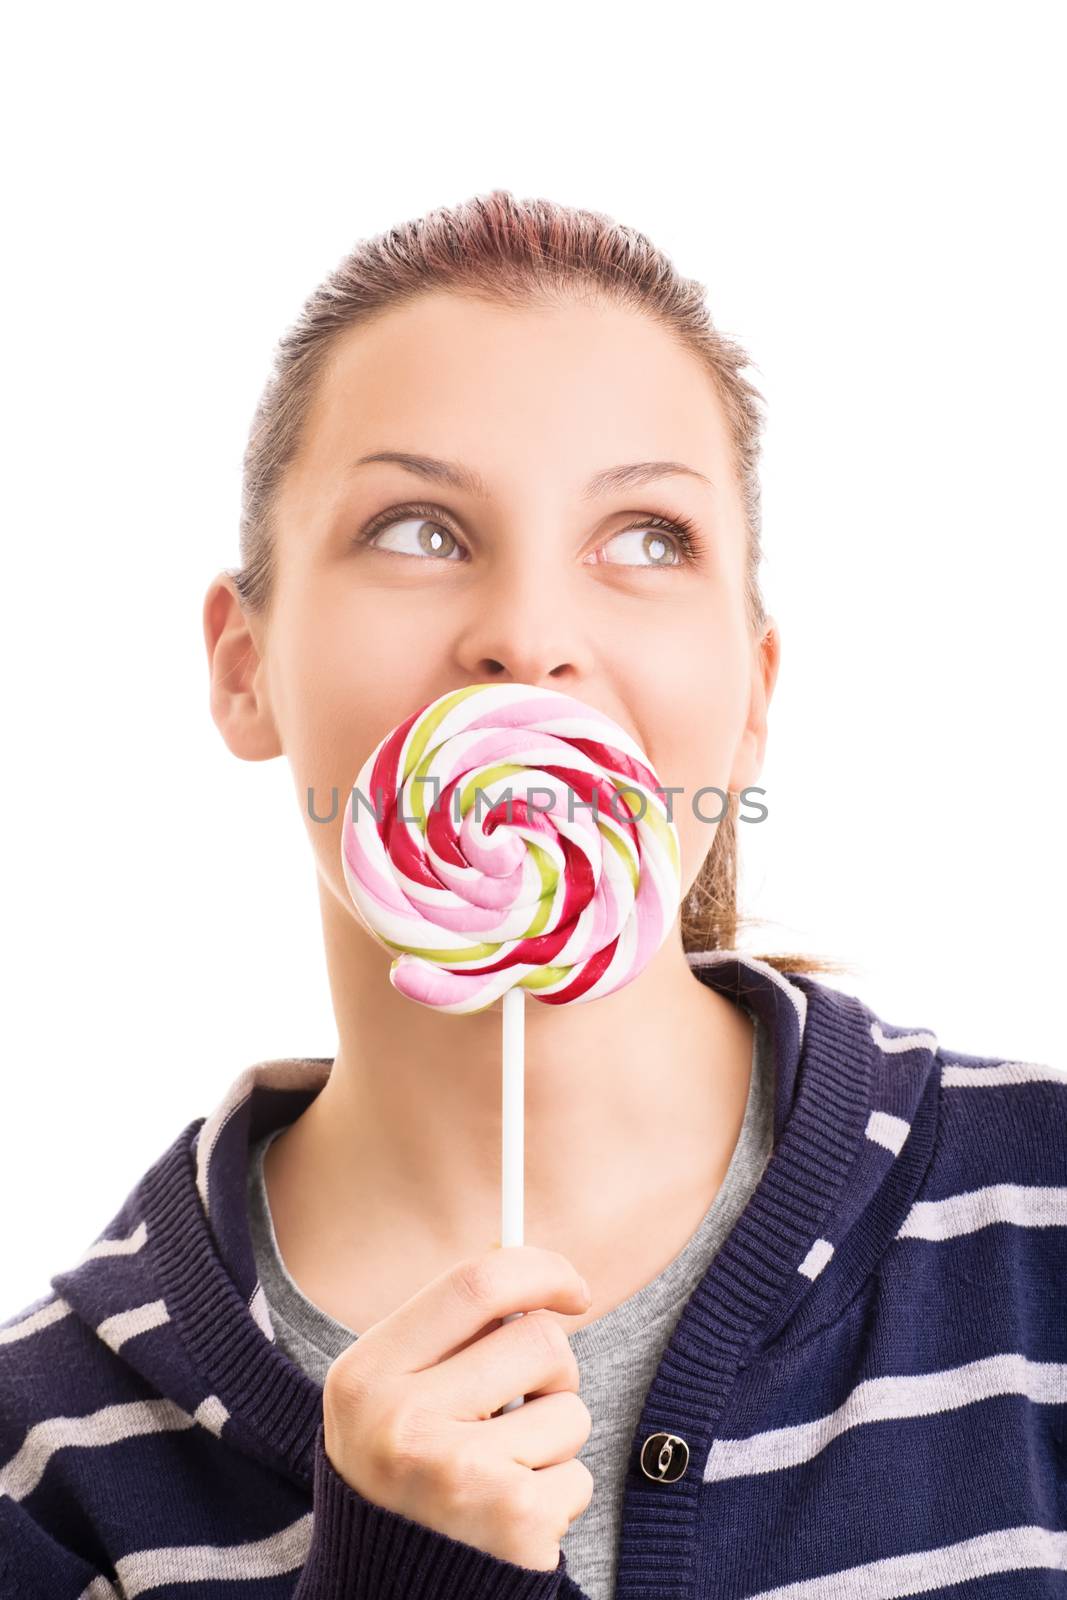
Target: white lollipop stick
{"points": [[513, 1137]]}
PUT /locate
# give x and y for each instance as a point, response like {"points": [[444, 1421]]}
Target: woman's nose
{"points": [[493, 667], [532, 661], [525, 638]]}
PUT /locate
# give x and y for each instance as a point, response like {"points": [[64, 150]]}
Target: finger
{"points": [[451, 1310], [567, 1490], [543, 1432], [531, 1353]]}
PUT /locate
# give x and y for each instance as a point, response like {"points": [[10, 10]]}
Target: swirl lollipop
{"points": [[542, 861], [543, 856]]}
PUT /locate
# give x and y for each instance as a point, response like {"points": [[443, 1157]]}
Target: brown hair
{"points": [[509, 252]]}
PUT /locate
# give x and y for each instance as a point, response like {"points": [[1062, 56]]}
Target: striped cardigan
{"points": [[870, 1381]]}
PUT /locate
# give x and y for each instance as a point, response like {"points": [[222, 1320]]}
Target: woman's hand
{"points": [[408, 1409]]}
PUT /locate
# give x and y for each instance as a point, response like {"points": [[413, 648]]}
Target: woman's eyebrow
{"points": [[457, 476]]}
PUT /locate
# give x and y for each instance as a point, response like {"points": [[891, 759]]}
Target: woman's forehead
{"points": [[451, 378]]}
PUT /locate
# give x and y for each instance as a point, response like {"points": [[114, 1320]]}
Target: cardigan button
{"points": [[664, 1457]]}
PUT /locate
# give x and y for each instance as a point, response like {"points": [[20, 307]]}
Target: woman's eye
{"points": [[659, 548], [429, 538]]}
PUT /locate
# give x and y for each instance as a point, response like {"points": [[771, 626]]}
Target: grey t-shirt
{"points": [[617, 1354]]}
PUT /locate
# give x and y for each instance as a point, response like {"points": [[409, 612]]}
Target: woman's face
{"points": [[515, 566]]}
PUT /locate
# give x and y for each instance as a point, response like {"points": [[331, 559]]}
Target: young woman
{"points": [[794, 1297]]}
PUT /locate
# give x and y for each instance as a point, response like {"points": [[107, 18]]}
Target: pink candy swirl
{"points": [[519, 840]]}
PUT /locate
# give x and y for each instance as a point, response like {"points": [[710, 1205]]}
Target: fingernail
{"points": [[588, 1291]]}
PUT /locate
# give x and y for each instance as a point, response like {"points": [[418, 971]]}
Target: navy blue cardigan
{"points": [[870, 1381]]}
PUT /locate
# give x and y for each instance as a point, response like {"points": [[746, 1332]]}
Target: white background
{"points": [[872, 197]]}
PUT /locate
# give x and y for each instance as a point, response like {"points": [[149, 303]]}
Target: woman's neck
{"points": [[633, 1105]]}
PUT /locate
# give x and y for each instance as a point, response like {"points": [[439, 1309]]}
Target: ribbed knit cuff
{"points": [[362, 1551]]}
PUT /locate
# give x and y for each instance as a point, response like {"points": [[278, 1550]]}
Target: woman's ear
{"points": [[766, 657], [240, 698]]}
